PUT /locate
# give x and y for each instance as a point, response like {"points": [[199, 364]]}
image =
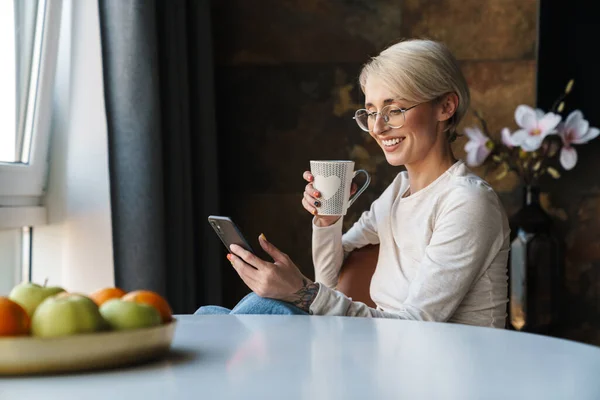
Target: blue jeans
{"points": [[254, 304]]}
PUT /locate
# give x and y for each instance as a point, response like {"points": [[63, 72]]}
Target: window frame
{"points": [[23, 185]]}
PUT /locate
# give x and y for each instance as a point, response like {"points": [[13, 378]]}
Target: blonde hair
{"points": [[419, 71]]}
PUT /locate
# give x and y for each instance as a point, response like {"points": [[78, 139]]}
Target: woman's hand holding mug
{"points": [[311, 202]]}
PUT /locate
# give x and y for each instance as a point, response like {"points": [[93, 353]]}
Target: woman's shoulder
{"points": [[466, 188], [463, 178], [397, 186], [471, 201]]}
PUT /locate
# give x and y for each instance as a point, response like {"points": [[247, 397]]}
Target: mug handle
{"points": [[362, 189]]}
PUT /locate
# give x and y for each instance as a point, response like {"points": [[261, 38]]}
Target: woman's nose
{"points": [[380, 125]]}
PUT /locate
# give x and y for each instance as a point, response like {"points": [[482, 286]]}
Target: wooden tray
{"points": [[30, 355]]}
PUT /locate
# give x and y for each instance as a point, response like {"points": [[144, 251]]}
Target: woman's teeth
{"points": [[392, 142]]}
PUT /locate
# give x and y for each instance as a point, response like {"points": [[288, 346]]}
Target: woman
{"points": [[442, 231]]}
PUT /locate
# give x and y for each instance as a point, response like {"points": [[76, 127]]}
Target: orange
{"points": [[102, 295], [152, 299], [14, 320]]}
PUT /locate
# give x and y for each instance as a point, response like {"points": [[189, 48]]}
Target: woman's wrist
{"points": [[304, 297], [323, 222]]}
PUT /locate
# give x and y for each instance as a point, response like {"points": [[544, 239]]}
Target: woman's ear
{"points": [[447, 106]]}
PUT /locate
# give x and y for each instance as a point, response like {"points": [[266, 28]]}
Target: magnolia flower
{"points": [[507, 139], [576, 130], [478, 148], [535, 126]]}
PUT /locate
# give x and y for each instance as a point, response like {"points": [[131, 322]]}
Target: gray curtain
{"points": [[158, 83]]}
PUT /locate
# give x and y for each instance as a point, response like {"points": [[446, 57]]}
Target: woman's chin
{"points": [[395, 160]]}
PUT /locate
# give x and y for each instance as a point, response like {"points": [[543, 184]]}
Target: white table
{"points": [[297, 357]]}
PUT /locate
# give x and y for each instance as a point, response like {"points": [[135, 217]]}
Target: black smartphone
{"points": [[228, 232]]}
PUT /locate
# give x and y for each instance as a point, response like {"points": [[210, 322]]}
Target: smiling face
{"points": [[420, 138]]}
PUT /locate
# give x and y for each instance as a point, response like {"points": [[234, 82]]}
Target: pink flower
{"points": [[507, 139], [535, 126], [478, 148], [576, 130]]}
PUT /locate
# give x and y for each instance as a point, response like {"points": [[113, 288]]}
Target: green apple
{"points": [[66, 314], [30, 295], [121, 314]]}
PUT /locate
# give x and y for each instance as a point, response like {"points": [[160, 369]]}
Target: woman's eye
{"points": [[395, 112]]}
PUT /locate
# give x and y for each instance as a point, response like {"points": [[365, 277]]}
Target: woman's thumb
{"points": [[270, 248]]}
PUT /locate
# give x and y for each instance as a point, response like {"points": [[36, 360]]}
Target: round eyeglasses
{"points": [[393, 116]]}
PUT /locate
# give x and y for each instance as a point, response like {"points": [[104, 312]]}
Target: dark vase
{"points": [[535, 268]]}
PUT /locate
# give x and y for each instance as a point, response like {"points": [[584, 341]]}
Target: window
{"points": [[29, 32], [15, 263], [28, 43], [8, 116]]}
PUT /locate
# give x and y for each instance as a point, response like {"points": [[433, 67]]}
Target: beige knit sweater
{"points": [[443, 253]]}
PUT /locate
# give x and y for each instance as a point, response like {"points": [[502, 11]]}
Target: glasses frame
{"points": [[385, 117]]}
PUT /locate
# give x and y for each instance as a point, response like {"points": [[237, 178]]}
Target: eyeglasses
{"points": [[393, 116]]}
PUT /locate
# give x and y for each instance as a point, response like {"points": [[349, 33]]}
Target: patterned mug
{"points": [[333, 179]]}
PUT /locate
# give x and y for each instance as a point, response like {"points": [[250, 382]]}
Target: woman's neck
{"points": [[423, 173]]}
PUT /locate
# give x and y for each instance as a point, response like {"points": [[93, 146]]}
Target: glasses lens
{"points": [[362, 119], [394, 116]]}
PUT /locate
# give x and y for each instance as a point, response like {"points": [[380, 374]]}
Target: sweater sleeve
{"points": [[330, 247], [468, 233], [327, 253]]}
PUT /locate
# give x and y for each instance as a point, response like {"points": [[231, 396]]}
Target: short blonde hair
{"points": [[420, 70]]}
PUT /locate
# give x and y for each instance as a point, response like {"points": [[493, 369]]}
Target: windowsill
{"points": [[18, 217]]}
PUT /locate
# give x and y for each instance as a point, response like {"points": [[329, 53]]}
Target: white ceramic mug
{"points": [[333, 179]]}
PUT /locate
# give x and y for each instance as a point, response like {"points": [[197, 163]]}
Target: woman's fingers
{"points": [[245, 271], [311, 191], [310, 200], [310, 207], [316, 203], [272, 250], [353, 188], [247, 257], [308, 176]]}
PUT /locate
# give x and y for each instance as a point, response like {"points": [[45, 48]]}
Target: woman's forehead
{"points": [[378, 92]]}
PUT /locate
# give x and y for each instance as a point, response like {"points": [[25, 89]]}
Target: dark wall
{"points": [[286, 81], [566, 50]]}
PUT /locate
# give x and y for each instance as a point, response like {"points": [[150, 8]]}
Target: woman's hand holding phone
{"points": [[311, 202], [280, 280]]}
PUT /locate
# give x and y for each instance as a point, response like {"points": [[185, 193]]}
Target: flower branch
{"points": [[530, 150]]}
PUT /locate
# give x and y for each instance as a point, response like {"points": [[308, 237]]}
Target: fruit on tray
{"points": [[122, 315], [152, 299], [14, 320], [101, 296], [30, 295], [41, 311], [66, 314]]}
